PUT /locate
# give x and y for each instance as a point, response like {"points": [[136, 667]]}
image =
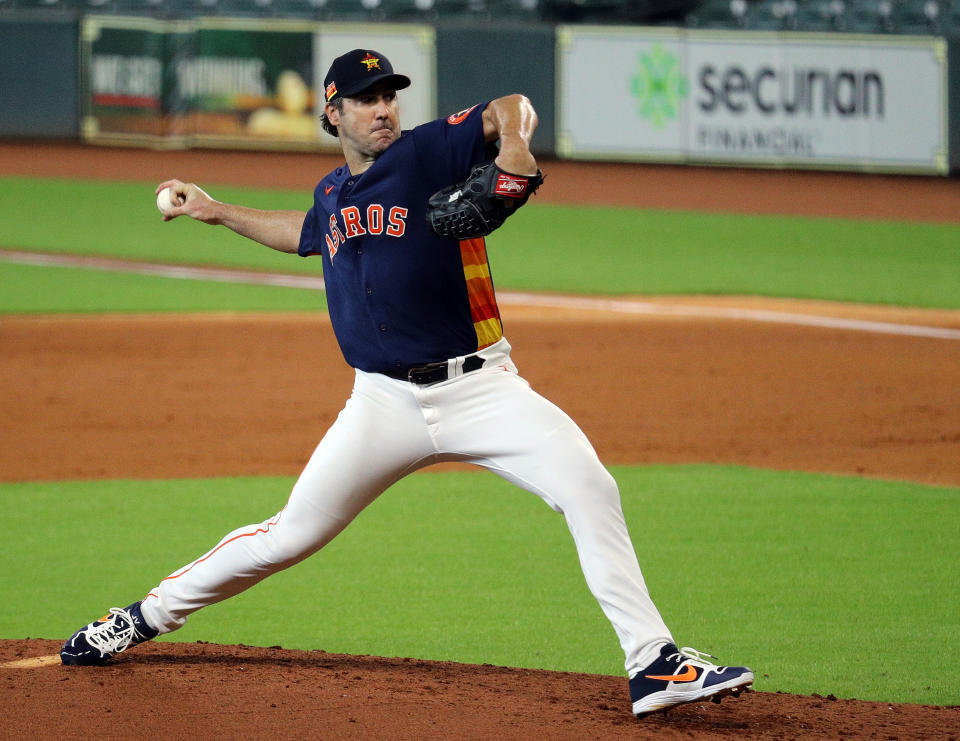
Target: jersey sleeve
{"points": [[448, 147], [308, 234], [311, 233]]}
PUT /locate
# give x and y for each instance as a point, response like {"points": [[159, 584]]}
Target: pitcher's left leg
{"points": [[496, 420]]}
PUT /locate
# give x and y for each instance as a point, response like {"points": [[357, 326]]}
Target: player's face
{"points": [[369, 122]]}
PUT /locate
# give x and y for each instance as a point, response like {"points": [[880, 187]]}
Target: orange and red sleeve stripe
{"points": [[483, 302]]}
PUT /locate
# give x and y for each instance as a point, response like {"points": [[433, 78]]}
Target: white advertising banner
{"points": [[836, 101], [233, 82]]}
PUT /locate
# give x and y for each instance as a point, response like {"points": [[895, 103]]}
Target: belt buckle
{"points": [[425, 369], [439, 371]]}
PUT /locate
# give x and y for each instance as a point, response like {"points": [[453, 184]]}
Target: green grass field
{"points": [[555, 248], [42, 289], [823, 584]]}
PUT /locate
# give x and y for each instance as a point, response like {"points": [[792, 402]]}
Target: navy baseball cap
{"points": [[359, 70]]}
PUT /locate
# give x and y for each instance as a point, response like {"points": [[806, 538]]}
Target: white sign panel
{"points": [[767, 99]]}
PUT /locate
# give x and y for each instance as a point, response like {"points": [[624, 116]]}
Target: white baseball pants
{"points": [[391, 428]]}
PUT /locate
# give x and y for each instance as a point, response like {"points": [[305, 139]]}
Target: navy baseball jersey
{"points": [[399, 295]]}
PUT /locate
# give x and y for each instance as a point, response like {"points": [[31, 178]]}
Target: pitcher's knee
{"points": [[595, 490], [286, 547], [269, 546], [606, 491]]}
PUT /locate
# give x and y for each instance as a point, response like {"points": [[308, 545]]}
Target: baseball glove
{"points": [[481, 203]]}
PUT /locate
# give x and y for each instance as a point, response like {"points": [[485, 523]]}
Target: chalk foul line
{"points": [[507, 298], [719, 312], [35, 662]]}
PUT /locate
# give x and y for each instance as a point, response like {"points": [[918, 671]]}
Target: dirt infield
{"points": [[145, 397], [149, 397], [203, 691]]}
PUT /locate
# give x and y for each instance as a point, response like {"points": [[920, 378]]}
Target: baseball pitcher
{"points": [[400, 229]]}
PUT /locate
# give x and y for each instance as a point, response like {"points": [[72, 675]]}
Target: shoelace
{"points": [[701, 657], [112, 637], [692, 653]]}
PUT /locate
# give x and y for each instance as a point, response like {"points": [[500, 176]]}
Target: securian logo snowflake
{"points": [[658, 86]]}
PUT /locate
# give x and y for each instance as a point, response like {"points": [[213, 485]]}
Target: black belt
{"points": [[428, 373]]}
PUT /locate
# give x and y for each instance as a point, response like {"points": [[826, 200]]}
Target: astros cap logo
{"points": [[356, 71], [371, 62]]}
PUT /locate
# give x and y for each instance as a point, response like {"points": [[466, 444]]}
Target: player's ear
{"points": [[333, 113]]}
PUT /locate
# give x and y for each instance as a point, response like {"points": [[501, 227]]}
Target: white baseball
{"points": [[165, 200]]}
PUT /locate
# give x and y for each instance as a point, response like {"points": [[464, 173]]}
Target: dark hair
{"points": [[325, 122]]}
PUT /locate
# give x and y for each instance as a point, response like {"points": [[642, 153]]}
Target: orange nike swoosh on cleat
{"points": [[687, 675]]}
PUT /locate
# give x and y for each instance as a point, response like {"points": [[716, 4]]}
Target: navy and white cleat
{"points": [[95, 644], [684, 675]]}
